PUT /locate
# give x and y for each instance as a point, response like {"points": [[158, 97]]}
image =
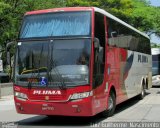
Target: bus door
{"points": [[99, 77]]}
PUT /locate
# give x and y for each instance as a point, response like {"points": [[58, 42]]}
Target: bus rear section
{"points": [[155, 66], [78, 62]]}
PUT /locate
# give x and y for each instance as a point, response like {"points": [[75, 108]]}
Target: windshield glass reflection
{"points": [[58, 62]]}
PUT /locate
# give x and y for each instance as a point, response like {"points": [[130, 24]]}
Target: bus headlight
{"points": [[158, 78], [21, 96], [81, 95]]}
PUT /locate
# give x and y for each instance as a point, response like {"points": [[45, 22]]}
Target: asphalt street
{"points": [[134, 110]]}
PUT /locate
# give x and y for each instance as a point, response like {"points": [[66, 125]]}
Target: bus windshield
{"points": [[56, 61], [56, 25]]}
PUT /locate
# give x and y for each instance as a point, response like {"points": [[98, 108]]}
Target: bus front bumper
{"points": [[80, 107]]}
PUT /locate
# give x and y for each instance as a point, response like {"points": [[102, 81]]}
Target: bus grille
{"points": [[47, 97]]}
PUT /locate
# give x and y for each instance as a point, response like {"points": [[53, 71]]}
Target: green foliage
{"points": [[156, 20], [143, 16], [155, 45], [5, 21], [120, 8], [75, 3]]}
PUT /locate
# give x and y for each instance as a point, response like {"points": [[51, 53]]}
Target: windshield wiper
{"points": [[39, 61], [53, 66]]}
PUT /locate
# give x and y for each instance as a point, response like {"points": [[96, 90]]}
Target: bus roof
{"points": [[59, 10], [155, 51], [86, 8]]}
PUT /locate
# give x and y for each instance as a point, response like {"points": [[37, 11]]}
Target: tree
{"points": [[5, 22], [143, 16], [120, 8], [156, 19]]}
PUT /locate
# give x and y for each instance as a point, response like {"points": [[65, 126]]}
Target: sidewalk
{"points": [[6, 89], [7, 103], [5, 98]]}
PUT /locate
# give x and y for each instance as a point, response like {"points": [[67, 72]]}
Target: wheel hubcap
{"points": [[110, 103], [142, 92]]}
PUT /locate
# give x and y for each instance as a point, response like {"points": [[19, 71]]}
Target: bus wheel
{"points": [[50, 116], [142, 94], [111, 105]]}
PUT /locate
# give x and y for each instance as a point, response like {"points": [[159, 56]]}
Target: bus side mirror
{"points": [[96, 43], [113, 34], [8, 46]]}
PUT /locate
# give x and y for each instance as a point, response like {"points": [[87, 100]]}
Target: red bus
{"points": [[78, 61]]}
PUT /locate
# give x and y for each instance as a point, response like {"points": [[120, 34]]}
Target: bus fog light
{"points": [[78, 110], [21, 108], [18, 104]]}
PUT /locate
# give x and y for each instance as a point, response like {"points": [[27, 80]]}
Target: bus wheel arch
{"points": [[111, 102], [142, 87], [112, 89], [146, 83]]}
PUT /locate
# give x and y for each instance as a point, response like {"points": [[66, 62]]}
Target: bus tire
{"points": [[50, 116], [111, 105], [142, 94]]}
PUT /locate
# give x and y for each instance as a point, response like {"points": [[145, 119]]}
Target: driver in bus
{"points": [[83, 60]]}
